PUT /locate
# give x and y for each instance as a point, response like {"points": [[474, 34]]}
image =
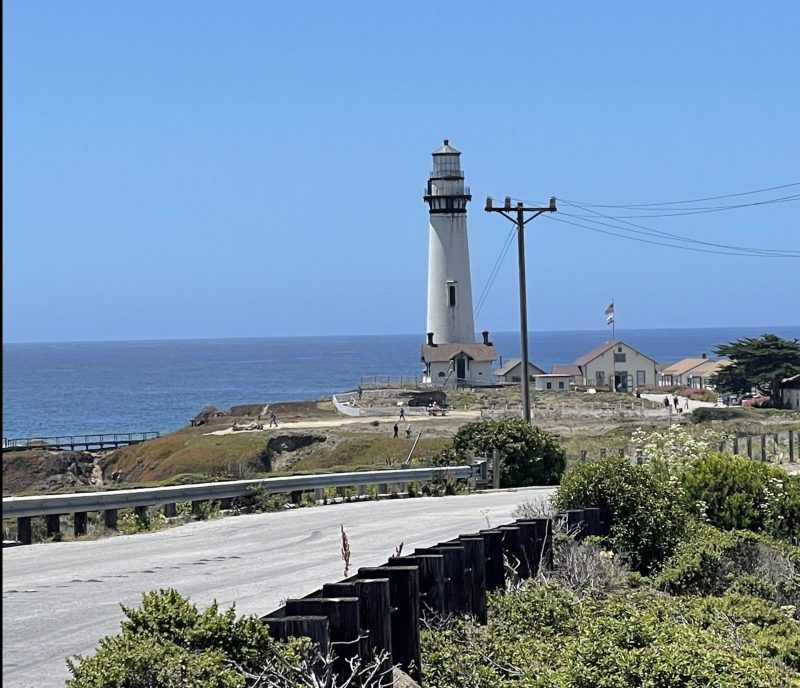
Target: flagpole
{"points": [[613, 323], [613, 350]]}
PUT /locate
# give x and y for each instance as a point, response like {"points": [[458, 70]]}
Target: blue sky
{"points": [[233, 169]]}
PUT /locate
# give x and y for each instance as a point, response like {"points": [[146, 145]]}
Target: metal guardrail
{"points": [[26, 507]]}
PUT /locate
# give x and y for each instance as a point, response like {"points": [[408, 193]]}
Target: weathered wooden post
{"points": [[735, 444], [374, 616], [461, 579], [576, 524], [170, 510], [493, 549], [52, 524], [110, 519], [791, 446], [24, 530], [749, 446], [496, 469], [474, 553], [197, 506], [313, 627], [592, 518], [140, 511], [528, 535], [605, 520], [225, 503], [79, 523], [404, 598], [583, 455], [763, 446], [776, 443], [431, 578], [603, 453], [512, 549], [343, 622]]}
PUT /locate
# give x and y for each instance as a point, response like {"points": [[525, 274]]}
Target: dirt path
{"points": [[453, 418]]}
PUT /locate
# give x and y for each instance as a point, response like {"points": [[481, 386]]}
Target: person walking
{"points": [[402, 413], [396, 430], [408, 431], [273, 419], [666, 402], [675, 400]]}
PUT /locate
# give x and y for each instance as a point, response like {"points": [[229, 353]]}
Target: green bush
{"points": [[529, 455], [546, 636], [168, 643], [709, 413], [733, 492], [707, 560], [647, 517]]}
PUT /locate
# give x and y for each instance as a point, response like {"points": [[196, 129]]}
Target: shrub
{"points": [[547, 636], [647, 517], [709, 413], [706, 561], [529, 455], [167, 642], [735, 492]]}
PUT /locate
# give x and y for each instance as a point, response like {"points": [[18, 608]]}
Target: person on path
{"points": [[273, 419], [666, 402], [408, 431], [686, 405], [402, 413], [396, 429], [675, 400], [360, 392]]}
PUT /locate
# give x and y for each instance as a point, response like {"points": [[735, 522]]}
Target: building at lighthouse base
{"points": [[448, 365]]}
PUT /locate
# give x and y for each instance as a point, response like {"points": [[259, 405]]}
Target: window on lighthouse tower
{"points": [[451, 294]]}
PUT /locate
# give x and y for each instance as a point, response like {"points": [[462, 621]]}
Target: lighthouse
{"points": [[449, 285], [451, 353]]}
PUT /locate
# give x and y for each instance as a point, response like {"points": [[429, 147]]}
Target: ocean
{"points": [[105, 387]]}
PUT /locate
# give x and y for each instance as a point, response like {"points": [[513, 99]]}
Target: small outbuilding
{"points": [[790, 392], [512, 371], [553, 382]]}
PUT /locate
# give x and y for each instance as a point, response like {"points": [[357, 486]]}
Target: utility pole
{"points": [[520, 222]]}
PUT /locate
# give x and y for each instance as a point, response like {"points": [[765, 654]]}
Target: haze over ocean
{"points": [[90, 387]]}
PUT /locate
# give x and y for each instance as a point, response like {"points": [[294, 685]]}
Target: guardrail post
{"points": [[24, 530], [52, 524], [383, 489], [140, 511], [170, 510], [80, 523], [110, 519], [225, 503], [404, 598], [342, 613], [197, 506]]}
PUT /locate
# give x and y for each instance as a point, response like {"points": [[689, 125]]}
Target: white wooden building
{"points": [[617, 365], [511, 371]]}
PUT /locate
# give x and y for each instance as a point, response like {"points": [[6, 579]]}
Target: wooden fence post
{"points": [[493, 549], [735, 444], [512, 549], [342, 614], [763, 446], [461, 577], [776, 443], [749, 446], [313, 627], [404, 598], [474, 553], [431, 578], [496, 469], [592, 518], [170, 510], [576, 523], [791, 446]]}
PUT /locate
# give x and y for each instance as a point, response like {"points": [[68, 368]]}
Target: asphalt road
{"points": [[59, 599]]}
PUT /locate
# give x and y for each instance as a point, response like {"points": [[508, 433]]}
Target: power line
{"points": [[691, 200], [692, 211], [494, 272], [662, 243], [667, 235]]}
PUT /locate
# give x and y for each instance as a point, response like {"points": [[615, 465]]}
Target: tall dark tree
{"points": [[761, 363]]}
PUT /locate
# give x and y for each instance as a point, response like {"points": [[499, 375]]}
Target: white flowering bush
{"points": [[668, 452]]}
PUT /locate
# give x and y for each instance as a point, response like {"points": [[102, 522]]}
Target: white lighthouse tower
{"points": [[451, 354], [449, 284]]}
